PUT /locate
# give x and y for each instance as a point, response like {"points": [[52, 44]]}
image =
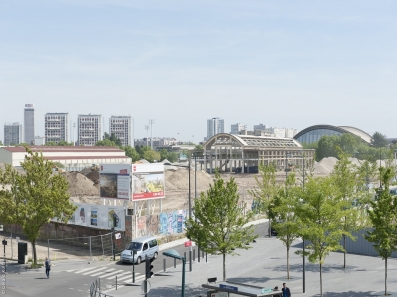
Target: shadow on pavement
{"points": [[18, 268], [327, 268], [176, 291], [347, 294], [248, 280]]}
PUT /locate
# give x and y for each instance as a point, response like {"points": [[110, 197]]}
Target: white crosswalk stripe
{"points": [[119, 275], [96, 270], [102, 272], [84, 270]]}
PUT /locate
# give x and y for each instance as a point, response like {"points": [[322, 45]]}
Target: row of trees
{"points": [[138, 152], [352, 145], [324, 211]]}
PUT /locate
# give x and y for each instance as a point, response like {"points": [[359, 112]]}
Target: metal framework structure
{"points": [[229, 153]]}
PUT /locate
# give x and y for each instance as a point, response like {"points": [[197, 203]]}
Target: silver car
{"points": [[139, 248]]}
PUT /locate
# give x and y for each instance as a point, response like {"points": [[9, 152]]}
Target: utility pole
{"points": [[147, 129], [151, 122]]}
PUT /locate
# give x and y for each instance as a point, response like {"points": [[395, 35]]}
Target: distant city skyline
{"points": [[283, 64]]}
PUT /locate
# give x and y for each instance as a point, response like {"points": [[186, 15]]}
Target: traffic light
{"points": [[148, 267]]}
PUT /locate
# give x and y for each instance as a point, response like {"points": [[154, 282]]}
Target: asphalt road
{"points": [[73, 277]]}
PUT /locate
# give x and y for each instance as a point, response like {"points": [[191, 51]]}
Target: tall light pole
{"points": [[147, 129], [151, 122]]}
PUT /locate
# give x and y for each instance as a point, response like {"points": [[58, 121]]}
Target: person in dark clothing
{"points": [[47, 267], [286, 291]]}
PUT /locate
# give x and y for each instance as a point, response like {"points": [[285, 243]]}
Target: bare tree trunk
{"points": [[224, 267], [270, 228], [321, 279], [385, 276], [344, 253], [288, 262], [34, 252]]}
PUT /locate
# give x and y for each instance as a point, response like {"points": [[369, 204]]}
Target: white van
{"points": [[142, 246]]}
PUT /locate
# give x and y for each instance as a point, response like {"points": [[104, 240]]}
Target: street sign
{"points": [[117, 235], [188, 243], [145, 287]]}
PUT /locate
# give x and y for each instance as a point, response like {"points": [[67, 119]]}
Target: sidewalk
{"points": [[265, 265]]}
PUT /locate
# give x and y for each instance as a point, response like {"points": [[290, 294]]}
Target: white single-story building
{"points": [[71, 157]]}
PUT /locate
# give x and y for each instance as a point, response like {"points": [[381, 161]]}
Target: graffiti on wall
{"points": [[165, 223]]}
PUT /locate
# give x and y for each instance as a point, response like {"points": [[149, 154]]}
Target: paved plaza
{"points": [[265, 265]]}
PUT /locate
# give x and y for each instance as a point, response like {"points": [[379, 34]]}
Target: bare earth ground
{"points": [[86, 190]]}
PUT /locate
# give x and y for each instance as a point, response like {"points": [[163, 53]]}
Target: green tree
{"points": [[151, 155], [106, 142], [170, 156], [282, 213], [383, 216], [219, 226], [51, 143], [34, 198], [319, 215], [326, 147], [65, 143], [266, 189], [346, 181], [132, 153], [379, 140], [112, 138]]}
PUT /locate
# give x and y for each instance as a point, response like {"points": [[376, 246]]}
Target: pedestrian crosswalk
{"points": [[107, 273]]}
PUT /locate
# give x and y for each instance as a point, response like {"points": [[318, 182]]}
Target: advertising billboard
{"points": [[147, 181], [115, 181]]}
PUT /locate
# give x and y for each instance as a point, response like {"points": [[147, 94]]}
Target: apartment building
{"points": [[13, 134], [215, 126], [29, 123], [236, 128], [89, 129], [120, 126], [56, 127]]}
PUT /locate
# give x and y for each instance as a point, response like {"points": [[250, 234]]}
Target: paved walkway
{"points": [[265, 265]]}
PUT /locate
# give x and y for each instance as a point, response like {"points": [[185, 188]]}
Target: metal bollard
{"points": [[206, 259], [164, 265], [174, 262], [184, 255], [116, 282], [190, 261], [194, 255]]}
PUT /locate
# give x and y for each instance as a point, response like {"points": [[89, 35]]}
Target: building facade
{"points": [[237, 128], [89, 129], [29, 123], [13, 134], [56, 127], [215, 126], [120, 126]]}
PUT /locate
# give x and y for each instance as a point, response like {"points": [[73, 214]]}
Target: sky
{"points": [[281, 63]]}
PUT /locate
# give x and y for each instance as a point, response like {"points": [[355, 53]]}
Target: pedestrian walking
{"points": [[286, 291], [47, 267]]}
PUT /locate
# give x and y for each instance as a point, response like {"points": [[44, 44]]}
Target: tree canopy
{"points": [[379, 140], [383, 216], [219, 226], [33, 198]]}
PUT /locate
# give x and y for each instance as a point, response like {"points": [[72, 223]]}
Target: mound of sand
{"points": [[80, 185], [179, 180]]}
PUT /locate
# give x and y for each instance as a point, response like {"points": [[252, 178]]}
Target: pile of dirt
{"points": [[80, 185], [325, 166], [179, 180], [94, 176]]}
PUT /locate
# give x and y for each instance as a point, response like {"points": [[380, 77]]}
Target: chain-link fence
{"points": [[91, 247], [95, 289]]}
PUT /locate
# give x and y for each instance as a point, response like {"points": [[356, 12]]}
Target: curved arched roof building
{"points": [[314, 133]]}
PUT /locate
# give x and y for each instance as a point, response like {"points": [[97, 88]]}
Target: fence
{"points": [[98, 246], [95, 289]]}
